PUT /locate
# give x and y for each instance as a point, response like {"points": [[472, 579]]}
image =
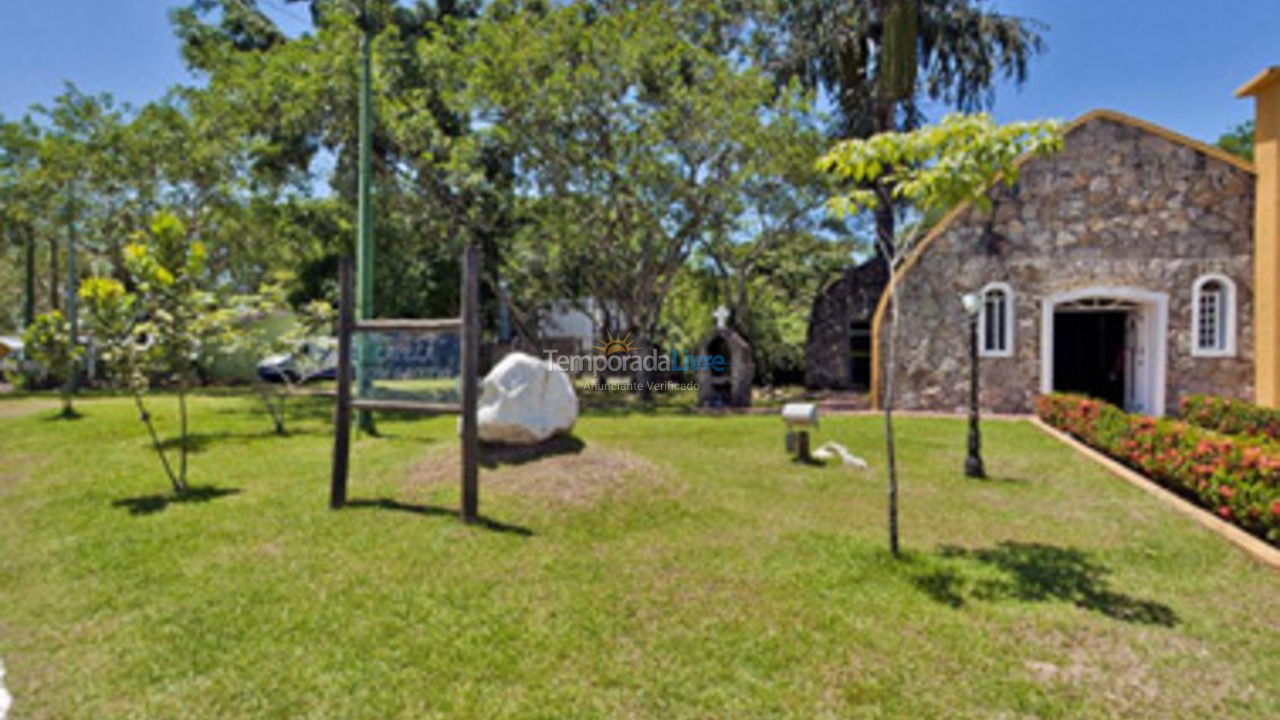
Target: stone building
{"points": [[1136, 265], [838, 348]]}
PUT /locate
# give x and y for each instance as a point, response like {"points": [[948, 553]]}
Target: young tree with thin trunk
{"points": [[250, 335], [111, 317], [160, 330], [49, 343], [932, 169]]}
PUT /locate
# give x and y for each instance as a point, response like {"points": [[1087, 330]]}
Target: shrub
{"points": [[1233, 417], [49, 343], [1237, 478]]}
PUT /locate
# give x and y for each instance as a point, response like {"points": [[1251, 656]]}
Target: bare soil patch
{"points": [[560, 472]]}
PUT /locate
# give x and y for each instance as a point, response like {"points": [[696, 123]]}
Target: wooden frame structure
{"points": [[467, 324]]}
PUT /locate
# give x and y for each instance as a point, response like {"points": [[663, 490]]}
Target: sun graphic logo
{"points": [[614, 345]]}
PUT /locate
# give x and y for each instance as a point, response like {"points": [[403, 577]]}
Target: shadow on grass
{"points": [[71, 414], [151, 504], [1005, 480], [200, 442], [808, 461], [493, 455], [1034, 572], [437, 511]]}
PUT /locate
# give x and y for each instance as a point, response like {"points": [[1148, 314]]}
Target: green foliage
{"points": [[111, 316], [253, 338], [1231, 416], [48, 342], [1239, 140], [177, 316], [169, 269], [938, 167], [641, 146], [1238, 478], [880, 62], [769, 286]]}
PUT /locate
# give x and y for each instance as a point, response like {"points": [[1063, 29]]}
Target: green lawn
{"points": [[663, 565]]}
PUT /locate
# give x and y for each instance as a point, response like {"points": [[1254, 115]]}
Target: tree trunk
{"points": [[886, 224], [29, 287], [178, 485], [53, 273], [182, 437], [276, 413], [891, 458], [887, 247]]}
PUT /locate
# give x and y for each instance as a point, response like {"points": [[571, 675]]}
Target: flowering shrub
{"points": [[1233, 417], [1237, 478]]}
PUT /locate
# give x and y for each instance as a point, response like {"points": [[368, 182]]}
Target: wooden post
{"points": [[342, 411], [470, 316]]}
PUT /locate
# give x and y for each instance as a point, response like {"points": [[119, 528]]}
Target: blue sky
{"points": [[1172, 62]]}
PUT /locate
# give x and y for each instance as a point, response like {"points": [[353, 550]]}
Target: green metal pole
{"points": [[364, 224], [73, 285]]}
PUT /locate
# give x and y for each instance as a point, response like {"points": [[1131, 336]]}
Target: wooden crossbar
{"points": [[468, 326], [409, 406], [408, 325]]}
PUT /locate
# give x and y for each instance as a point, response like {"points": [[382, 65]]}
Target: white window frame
{"points": [[1009, 320], [1227, 313]]}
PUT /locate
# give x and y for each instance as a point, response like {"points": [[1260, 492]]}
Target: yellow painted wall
{"points": [[1265, 90]]}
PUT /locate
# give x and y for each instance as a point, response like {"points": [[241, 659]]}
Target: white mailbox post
{"points": [[799, 418]]}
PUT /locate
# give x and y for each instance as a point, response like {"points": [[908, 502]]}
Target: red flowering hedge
{"points": [[1236, 477], [1234, 417]]}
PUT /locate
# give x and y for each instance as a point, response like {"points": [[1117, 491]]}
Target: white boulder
{"points": [[524, 400]]}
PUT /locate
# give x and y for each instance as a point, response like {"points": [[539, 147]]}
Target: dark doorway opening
{"points": [[860, 355], [1089, 354]]}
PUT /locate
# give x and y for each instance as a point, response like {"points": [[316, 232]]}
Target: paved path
{"points": [[18, 408]]}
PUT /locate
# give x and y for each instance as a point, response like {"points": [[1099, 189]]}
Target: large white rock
{"points": [[524, 400]]}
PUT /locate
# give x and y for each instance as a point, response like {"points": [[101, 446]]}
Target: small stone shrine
{"points": [[725, 368]]}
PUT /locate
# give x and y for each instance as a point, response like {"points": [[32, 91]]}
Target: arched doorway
{"points": [[1108, 342]]}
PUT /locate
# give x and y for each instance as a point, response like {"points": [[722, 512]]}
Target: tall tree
{"points": [[633, 147], [294, 99], [879, 60]]}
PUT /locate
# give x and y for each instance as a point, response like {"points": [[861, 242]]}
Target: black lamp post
{"points": [[973, 462]]}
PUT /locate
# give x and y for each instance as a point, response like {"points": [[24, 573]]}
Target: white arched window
{"points": [[995, 321], [1213, 316]]}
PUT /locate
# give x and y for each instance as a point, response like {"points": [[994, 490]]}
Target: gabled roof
{"points": [[955, 213]]}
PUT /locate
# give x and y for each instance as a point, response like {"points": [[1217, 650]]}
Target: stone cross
{"points": [[722, 316]]}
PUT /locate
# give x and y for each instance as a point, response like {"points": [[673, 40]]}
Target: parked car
{"points": [[11, 357], [315, 359]]}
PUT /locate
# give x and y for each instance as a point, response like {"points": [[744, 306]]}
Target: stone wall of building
{"points": [[1120, 206], [851, 298]]}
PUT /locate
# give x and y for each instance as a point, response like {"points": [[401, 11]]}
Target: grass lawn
{"points": [[662, 565]]}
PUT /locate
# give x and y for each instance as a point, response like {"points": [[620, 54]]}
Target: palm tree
{"points": [[879, 60]]}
